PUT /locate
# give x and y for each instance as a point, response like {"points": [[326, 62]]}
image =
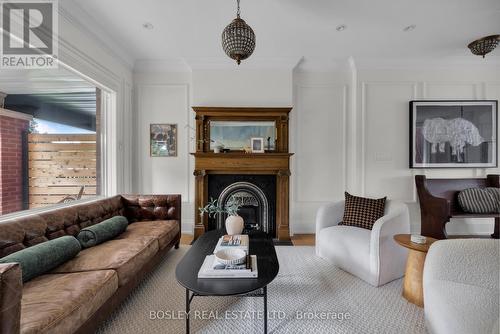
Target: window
{"points": [[50, 144]]}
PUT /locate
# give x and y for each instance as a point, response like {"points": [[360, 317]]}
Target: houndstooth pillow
{"points": [[362, 212], [480, 200]]}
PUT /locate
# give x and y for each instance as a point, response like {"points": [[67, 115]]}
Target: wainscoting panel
{"points": [[320, 143], [164, 104], [386, 138]]}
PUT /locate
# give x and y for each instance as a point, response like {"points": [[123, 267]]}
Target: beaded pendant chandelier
{"points": [[238, 38], [484, 45]]}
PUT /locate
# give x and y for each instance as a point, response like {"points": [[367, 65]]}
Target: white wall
{"points": [[349, 129], [163, 97], [318, 137], [383, 111], [242, 88]]}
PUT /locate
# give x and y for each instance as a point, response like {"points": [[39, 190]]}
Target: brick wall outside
{"points": [[11, 163]]}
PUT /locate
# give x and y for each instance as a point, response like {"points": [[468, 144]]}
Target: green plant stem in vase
{"points": [[234, 223]]}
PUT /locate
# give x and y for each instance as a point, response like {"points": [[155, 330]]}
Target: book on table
{"points": [[211, 268], [233, 241]]}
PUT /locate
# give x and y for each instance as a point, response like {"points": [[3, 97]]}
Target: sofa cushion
{"points": [[480, 200], [41, 258], [104, 231], [127, 257], [362, 212], [163, 230], [61, 303]]}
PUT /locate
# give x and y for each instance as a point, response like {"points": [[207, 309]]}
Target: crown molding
{"points": [[453, 62], [172, 65], [252, 63], [80, 18]]}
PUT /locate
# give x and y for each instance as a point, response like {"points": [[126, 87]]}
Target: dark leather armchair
{"points": [[439, 202]]}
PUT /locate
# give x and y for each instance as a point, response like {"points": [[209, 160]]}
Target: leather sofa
{"points": [[78, 295]]}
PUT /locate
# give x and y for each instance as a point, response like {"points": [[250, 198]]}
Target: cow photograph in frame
{"points": [[163, 140], [454, 134]]}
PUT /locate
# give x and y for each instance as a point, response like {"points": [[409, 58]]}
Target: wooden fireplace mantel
{"points": [[270, 163]]}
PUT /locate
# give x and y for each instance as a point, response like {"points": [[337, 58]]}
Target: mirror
{"points": [[236, 135]]}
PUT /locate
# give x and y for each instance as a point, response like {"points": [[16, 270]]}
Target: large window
{"points": [[50, 143]]}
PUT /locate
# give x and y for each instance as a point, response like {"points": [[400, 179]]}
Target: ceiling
{"points": [[301, 29]]}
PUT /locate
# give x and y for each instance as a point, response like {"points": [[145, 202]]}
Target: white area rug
{"points": [[306, 286]]}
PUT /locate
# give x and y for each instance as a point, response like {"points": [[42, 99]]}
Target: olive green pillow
{"points": [[39, 259], [105, 230]]}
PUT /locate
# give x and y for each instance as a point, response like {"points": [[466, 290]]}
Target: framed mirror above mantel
{"points": [[234, 127]]}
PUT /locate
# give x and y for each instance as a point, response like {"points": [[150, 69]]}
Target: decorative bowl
{"points": [[231, 256]]}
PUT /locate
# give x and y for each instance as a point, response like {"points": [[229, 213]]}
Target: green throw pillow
{"points": [[105, 230], [39, 259]]}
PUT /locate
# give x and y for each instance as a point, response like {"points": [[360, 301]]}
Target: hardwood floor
{"points": [[297, 239]]}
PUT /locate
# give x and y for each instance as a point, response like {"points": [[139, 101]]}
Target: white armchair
{"points": [[373, 255]]}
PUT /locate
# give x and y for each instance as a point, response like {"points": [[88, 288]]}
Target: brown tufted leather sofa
{"points": [[78, 295]]}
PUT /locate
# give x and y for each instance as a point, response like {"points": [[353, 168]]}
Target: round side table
{"points": [[413, 290]]}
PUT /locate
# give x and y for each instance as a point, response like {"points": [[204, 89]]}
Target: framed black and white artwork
{"points": [[454, 134]]}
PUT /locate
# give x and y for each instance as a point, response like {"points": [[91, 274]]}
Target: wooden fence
{"points": [[59, 165]]}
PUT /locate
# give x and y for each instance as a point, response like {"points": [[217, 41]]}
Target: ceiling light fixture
{"points": [[484, 45], [341, 27], [238, 38], [148, 26], [409, 28]]}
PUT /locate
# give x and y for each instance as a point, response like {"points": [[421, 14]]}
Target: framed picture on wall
{"points": [[454, 134], [163, 140]]}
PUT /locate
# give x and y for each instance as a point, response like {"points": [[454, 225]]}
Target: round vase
{"points": [[234, 225]]}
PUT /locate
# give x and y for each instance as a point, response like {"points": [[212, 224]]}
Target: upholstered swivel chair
{"points": [[371, 255]]}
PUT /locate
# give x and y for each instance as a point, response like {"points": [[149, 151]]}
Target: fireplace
{"points": [[260, 180], [257, 193]]}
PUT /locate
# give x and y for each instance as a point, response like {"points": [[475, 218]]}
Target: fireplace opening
{"points": [[257, 193]]}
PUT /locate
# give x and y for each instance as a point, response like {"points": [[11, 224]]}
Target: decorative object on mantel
{"points": [[454, 134], [484, 45], [257, 145], [238, 38], [234, 223], [163, 140]]}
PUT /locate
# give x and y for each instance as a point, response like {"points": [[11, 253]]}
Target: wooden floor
{"points": [[297, 239]]}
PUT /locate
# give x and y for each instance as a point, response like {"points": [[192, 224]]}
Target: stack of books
{"points": [[232, 241], [211, 268]]}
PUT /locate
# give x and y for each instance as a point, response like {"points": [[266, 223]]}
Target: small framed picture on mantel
{"points": [[454, 134], [257, 145]]}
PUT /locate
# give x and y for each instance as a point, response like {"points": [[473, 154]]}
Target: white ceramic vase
{"points": [[234, 225]]}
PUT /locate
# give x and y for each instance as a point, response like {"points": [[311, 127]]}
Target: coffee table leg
{"points": [[265, 310], [187, 311]]}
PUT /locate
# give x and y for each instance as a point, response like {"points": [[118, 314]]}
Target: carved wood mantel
{"points": [[276, 162]]}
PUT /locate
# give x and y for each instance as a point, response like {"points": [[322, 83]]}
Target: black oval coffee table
{"points": [[187, 271]]}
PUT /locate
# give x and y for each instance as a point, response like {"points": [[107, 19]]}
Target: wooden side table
{"points": [[413, 290]]}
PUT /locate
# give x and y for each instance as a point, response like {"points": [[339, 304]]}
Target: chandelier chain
{"points": [[238, 10]]}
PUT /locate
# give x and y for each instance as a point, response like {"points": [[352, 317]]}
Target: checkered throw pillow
{"points": [[362, 212]]}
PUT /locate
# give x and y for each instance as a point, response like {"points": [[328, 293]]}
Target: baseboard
{"points": [[302, 228], [187, 228]]}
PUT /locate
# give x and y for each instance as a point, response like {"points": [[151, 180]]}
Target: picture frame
{"points": [[163, 140], [257, 145], [453, 134]]}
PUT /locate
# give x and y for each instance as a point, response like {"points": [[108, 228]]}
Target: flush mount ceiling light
{"points": [[484, 45], [238, 38], [341, 27], [409, 28]]}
